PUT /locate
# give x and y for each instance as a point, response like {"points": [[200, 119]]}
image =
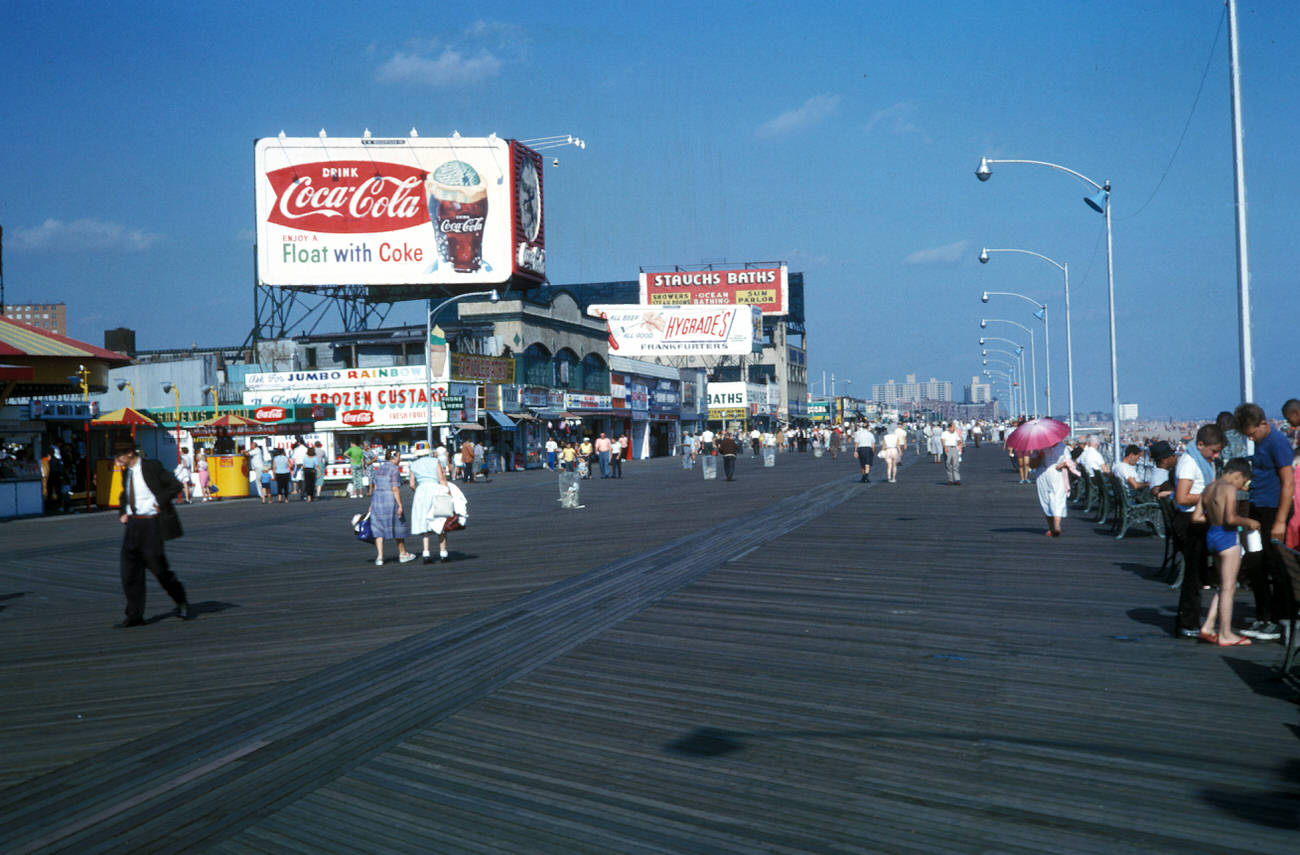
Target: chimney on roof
{"points": [[121, 339]]}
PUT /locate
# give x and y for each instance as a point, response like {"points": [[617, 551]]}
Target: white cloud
{"points": [[948, 254], [475, 56], [813, 111], [449, 68], [80, 235], [899, 119]]}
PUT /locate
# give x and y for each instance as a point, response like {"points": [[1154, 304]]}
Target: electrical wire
{"points": [[1186, 125]]}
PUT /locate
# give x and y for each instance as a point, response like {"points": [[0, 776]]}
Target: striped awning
{"points": [[20, 339]]}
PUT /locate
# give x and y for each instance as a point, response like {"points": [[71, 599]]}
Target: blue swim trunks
{"points": [[1218, 538]]}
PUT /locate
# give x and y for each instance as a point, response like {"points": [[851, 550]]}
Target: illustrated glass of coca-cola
{"points": [[458, 208]]}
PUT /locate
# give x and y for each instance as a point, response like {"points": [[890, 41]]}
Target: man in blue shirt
{"points": [[1272, 485]]}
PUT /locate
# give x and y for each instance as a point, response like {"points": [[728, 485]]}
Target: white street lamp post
{"points": [[1100, 202], [1069, 346], [1033, 357], [428, 369], [1047, 334]]}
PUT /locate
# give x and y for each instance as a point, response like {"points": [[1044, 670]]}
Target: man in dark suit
{"points": [[150, 519]]}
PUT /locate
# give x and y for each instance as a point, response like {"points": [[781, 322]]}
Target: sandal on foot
{"points": [[1240, 642]]}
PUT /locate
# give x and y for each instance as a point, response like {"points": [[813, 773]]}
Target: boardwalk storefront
{"points": [[389, 404]]}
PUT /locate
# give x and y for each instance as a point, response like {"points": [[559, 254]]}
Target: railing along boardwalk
{"points": [[789, 663]]}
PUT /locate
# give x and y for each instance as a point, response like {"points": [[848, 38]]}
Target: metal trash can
{"points": [[569, 487], [709, 463], [769, 456], [818, 451]]}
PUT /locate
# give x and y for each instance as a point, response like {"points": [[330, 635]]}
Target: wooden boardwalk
{"points": [[792, 662]]}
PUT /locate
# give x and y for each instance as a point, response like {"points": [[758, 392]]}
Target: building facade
{"points": [[51, 317], [891, 393]]}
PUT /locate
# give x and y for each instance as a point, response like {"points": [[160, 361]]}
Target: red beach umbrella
{"points": [[1037, 433]]}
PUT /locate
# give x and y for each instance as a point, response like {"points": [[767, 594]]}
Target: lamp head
{"points": [[121, 384], [166, 387], [984, 298], [1098, 201], [983, 352], [209, 389], [983, 323], [981, 342], [494, 296], [984, 256], [983, 172]]}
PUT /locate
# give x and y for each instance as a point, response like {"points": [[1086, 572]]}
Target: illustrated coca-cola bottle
{"points": [[458, 208]]}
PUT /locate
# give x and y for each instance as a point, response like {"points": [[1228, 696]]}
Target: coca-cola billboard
{"points": [[405, 211]]}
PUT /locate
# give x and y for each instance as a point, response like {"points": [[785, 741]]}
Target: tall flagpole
{"points": [[1239, 188]]}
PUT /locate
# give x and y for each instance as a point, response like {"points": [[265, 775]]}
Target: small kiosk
{"points": [[227, 468]]}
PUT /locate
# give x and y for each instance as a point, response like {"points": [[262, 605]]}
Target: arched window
{"points": [[595, 374], [567, 369], [536, 367]]}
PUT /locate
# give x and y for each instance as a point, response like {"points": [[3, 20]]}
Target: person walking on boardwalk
{"points": [[282, 468], [146, 502], [309, 463], [1053, 485], [387, 519], [951, 440], [865, 441], [428, 477], [835, 443], [356, 458], [890, 451], [728, 448]]}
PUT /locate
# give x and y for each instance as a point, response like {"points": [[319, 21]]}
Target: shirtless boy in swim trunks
{"points": [[1220, 504]]}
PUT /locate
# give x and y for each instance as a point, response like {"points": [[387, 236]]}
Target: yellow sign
{"points": [[728, 414]]}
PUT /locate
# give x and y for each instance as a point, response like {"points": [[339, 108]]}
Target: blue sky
{"points": [[839, 137]]}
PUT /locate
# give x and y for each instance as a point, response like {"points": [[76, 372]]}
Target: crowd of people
{"points": [[1234, 510]]}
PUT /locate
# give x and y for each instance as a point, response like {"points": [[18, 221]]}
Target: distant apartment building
{"points": [[977, 392], [909, 390], [51, 317], [1128, 412]]}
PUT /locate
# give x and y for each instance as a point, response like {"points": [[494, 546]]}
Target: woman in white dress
{"points": [[889, 451], [1053, 485], [428, 478]]}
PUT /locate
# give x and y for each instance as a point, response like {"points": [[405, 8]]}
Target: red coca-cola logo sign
{"points": [[357, 417], [346, 196], [269, 414]]}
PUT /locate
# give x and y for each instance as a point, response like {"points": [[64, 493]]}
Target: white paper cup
{"points": [[1254, 543]]}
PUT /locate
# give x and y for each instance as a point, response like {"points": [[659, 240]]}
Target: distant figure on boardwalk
{"points": [[934, 442], [146, 502], [728, 448], [865, 442], [616, 453], [386, 517], [951, 439], [836, 440], [890, 452], [604, 449]]}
